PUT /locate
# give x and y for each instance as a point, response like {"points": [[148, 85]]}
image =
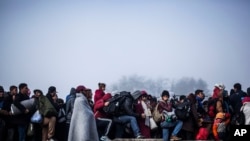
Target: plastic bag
{"points": [[36, 117], [153, 125]]}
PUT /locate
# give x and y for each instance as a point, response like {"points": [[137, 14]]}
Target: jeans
{"points": [[133, 123], [22, 132], [165, 128]]}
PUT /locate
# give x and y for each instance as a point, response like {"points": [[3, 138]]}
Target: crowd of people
{"points": [[81, 117]]}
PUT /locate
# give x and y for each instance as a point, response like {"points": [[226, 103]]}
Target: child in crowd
{"points": [[219, 126]]}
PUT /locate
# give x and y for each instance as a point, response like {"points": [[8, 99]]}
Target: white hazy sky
{"points": [[44, 43]]}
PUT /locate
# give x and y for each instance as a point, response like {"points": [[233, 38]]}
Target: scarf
{"points": [[146, 112]]}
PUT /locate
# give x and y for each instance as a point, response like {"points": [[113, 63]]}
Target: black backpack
{"points": [[114, 104], [182, 110]]}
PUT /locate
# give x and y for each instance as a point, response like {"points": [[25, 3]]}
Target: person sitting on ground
{"points": [[103, 120], [127, 115], [169, 119]]}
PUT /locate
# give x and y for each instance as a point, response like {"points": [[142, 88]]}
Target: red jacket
{"points": [[98, 107], [99, 93]]}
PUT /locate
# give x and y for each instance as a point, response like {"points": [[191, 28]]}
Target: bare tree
{"points": [[183, 86]]}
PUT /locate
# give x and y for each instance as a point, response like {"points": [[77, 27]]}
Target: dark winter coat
{"points": [[24, 118], [127, 107]]}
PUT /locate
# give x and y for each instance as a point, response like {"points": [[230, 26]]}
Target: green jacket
{"points": [[46, 108]]}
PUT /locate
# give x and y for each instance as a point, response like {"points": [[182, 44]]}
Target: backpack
{"points": [[114, 104], [156, 114], [182, 110], [212, 107]]}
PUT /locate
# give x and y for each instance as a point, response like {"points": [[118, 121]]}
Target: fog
{"points": [[65, 44]]}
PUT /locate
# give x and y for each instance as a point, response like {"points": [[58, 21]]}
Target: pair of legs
{"points": [[123, 120], [165, 128], [48, 129], [103, 126]]}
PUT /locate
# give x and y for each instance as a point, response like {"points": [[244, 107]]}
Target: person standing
{"points": [[236, 100], [69, 108], [23, 119], [11, 127], [2, 114], [52, 96], [99, 93], [83, 124], [49, 114]]}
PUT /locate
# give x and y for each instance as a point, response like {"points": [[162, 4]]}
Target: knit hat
{"points": [[144, 93], [220, 86], [80, 88]]}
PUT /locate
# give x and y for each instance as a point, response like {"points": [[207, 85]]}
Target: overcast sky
{"points": [[44, 43]]}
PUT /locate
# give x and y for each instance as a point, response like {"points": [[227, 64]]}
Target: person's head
{"points": [[199, 93], [55, 97], [60, 101], [182, 98], [191, 97], [102, 86], [81, 89], [72, 91], [232, 91], [13, 90], [89, 93], [220, 115], [52, 91], [1, 91], [205, 104], [248, 91], [23, 88], [225, 93], [218, 91], [144, 96], [37, 93], [165, 95], [237, 87]]}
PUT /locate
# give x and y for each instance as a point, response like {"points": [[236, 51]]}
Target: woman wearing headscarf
{"points": [[142, 107]]}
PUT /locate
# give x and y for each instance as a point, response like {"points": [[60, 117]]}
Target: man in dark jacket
{"points": [[23, 119], [127, 115], [235, 100], [9, 119]]}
